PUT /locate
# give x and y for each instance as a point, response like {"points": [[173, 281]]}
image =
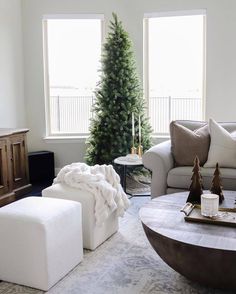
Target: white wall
{"points": [[12, 104], [221, 56]]}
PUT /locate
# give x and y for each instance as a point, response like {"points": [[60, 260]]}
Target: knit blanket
{"points": [[102, 182]]}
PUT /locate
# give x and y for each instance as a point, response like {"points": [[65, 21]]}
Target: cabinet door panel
{"points": [[4, 184], [18, 161]]}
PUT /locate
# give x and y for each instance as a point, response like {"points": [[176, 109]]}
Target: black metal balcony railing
{"points": [[71, 114]]}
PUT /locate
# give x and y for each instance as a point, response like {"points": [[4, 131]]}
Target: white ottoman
{"points": [[41, 241], [93, 234]]}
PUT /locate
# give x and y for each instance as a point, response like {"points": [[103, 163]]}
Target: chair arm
{"points": [[159, 160]]}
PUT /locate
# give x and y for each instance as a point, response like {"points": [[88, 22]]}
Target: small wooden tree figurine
{"points": [[196, 185], [216, 187]]}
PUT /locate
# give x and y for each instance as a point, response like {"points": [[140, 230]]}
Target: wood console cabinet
{"points": [[14, 173]]}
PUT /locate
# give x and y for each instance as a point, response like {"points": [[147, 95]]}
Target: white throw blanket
{"points": [[100, 180]]}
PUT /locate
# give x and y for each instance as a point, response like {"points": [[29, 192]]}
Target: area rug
{"points": [[124, 264]]}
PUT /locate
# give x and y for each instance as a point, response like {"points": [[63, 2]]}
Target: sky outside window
{"points": [[176, 56], [74, 50]]}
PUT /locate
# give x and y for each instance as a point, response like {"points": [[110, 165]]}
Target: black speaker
{"points": [[41, 166]]}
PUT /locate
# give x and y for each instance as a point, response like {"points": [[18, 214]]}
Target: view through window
{"points": [[72, 58], [175, 51]]}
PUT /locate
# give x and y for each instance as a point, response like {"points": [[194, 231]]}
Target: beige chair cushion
{"points": [[180, 177], [186, 144]]}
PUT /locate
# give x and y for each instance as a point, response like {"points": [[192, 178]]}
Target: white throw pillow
{"points": [[222, 147]]}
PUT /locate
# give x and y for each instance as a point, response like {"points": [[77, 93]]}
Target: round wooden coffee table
{"points": [[201, 252]]}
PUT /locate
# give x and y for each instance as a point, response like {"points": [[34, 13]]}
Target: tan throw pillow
{"points": [[186, 144]]}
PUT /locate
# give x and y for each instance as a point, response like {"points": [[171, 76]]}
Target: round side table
{"points": [[125, 164]]}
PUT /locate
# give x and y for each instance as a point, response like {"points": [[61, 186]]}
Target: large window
{"points": [[72, 52], [174, 67]]}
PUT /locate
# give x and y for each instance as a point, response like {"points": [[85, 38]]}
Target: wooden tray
{"points": [[226, 216]]}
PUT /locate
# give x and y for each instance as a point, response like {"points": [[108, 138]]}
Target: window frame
{"points": [[146, 17], [58, 137]]}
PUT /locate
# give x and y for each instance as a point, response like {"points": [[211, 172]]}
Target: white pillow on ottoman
{"points": [[222, 147]]}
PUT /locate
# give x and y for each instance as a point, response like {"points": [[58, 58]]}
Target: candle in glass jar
{"points": [[209, 205]]}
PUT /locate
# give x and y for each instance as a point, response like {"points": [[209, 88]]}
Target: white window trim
{"points": [[175, 13], [77, 137], [73, 16], [65, 139], [147, 16]]}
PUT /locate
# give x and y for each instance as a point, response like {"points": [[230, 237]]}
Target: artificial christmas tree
{"points": [[196, 185], [118, 96], [216, 187]]}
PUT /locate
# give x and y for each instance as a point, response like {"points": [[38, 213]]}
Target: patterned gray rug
{"points": [[124, 264]]}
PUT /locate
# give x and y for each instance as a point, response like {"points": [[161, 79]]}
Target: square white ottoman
{"points": [[93, 234], [41, 241]]}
